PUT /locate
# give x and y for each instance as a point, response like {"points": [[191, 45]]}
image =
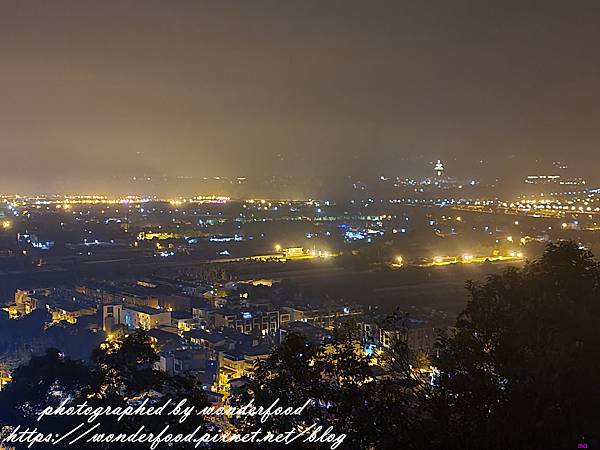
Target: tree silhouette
{"points": [[373, 409], [522, 369], [122, 375]]}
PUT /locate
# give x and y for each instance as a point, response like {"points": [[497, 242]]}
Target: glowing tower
{"points": [[439, 168]]}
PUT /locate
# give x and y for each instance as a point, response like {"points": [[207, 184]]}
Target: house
{"points": [[249, 321], [324, 317], [182, 320], [133, 316], [238, 363], [179, 362], [312, 333], [165, 339], [69, 311]]}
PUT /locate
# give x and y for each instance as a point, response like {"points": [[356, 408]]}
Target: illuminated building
{"points": [[321, 317], [439, 168], [5, 378], [70, 312], [235, 364], [554, 179], [263, 322], [27, 301], [182, 320], [133, 317], [542, 179], [292, 252]]}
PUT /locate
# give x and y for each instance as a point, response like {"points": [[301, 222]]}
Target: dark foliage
{"points": [[122, 374], [522, 370]]}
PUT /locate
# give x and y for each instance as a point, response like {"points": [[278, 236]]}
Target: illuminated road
{"points": [[447, 260], [270, 257]]}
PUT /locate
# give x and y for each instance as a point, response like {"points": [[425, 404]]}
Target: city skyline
{"points": [[326, 223]]}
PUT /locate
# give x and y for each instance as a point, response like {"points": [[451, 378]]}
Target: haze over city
{"points": [[97, 93], [366, 224]]}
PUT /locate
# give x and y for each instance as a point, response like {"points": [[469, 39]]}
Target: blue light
{"points": [[354, 235], [369, 349]]}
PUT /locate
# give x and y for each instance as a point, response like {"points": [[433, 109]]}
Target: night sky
{"points": [[97, 90]]}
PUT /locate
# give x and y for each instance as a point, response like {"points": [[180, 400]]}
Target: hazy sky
{"points": [[179, 87]]}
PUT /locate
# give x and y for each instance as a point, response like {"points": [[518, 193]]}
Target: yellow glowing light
{"points": [[277, 248], [519, 254], [399, 260], [459, 218], [467, 257], [6, 224], [438, 259], [509, 238]]}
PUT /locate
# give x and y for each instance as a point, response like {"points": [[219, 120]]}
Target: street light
{"points": [[277, 248], [399, 260]]}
